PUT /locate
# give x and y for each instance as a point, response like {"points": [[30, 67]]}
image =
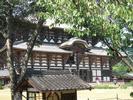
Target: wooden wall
{"points": [[90, 66]]}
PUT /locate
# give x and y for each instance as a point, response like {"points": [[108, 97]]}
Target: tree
{"points": [[106, 19], [98, 18], [12, 13], [120, 69]]}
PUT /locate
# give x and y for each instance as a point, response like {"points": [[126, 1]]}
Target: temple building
{"points": [[60, 65], [61, 51]]}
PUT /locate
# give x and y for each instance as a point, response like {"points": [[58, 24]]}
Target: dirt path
{"points": [[95, 94], [5, 94], [105, 94]]}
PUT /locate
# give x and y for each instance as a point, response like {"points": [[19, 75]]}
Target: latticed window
{"points": [[96, 74], [31, 96], [36, 96], [105, 61]]}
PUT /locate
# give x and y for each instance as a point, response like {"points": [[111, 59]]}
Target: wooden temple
{"points": [[61, 51], [60, 65]]}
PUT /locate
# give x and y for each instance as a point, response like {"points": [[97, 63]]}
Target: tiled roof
{"points": [[129, 75], [42, 48], [70, 43], [56, 80], [53, 48], [98, 51]]}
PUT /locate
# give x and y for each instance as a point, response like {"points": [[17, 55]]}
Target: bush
{"points": [[1, 87], [105, 86], [123, 86], [130, 83], [131, 94]]}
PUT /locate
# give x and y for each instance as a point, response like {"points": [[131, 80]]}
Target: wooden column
{"points": [[90, 70], [110, 67], [27, 93], [32, 62], [63, 62], [101, 63], [77, 63], [48, 61], [43, 96]]}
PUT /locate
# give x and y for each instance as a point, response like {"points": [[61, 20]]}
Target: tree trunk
{"points": [[9, 52], [18, 95], [11, 67]]}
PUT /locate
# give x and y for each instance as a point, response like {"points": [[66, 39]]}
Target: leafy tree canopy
{"points": [[110, 20]]}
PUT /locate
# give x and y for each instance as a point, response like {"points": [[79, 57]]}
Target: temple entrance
{"points": [[85, 75], [68, 96], [53, 96]]}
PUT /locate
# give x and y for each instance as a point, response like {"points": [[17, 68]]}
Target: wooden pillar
{"points": [[55, 60], [75, 94], [32, 62], [77, 63], [48, 61], [110, 68], [27, 93], [101, 63], [43, 96], [63, 62], [40, 59], [90, 70]]}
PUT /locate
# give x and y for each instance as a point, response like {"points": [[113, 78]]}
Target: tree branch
{"points": [[3, 48], [30, 47], [115, 51], [119, 55]]}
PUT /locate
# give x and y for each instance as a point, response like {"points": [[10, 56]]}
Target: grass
{"points": [[105, 86], [113, 86]]}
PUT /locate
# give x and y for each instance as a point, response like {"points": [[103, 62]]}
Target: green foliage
{"points": [[105, 86], [131, 94], [123, 86], [126, 85], [113, 86], [102, 18], [120, 68], [130, 83], [1, 87]]}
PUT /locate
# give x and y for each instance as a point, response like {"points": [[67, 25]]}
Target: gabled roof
{"points": [[54, 48], [55, 80], [128, 75], [58, 82], [72, 41], [41, 48]]}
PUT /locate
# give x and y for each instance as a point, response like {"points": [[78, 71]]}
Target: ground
{"points": [[105, 94], [95, 94]]}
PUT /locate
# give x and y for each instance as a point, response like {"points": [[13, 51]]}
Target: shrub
{"points": [[131, 94], [105, 86], [1, 87], [124, 86], [130, 83]]}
